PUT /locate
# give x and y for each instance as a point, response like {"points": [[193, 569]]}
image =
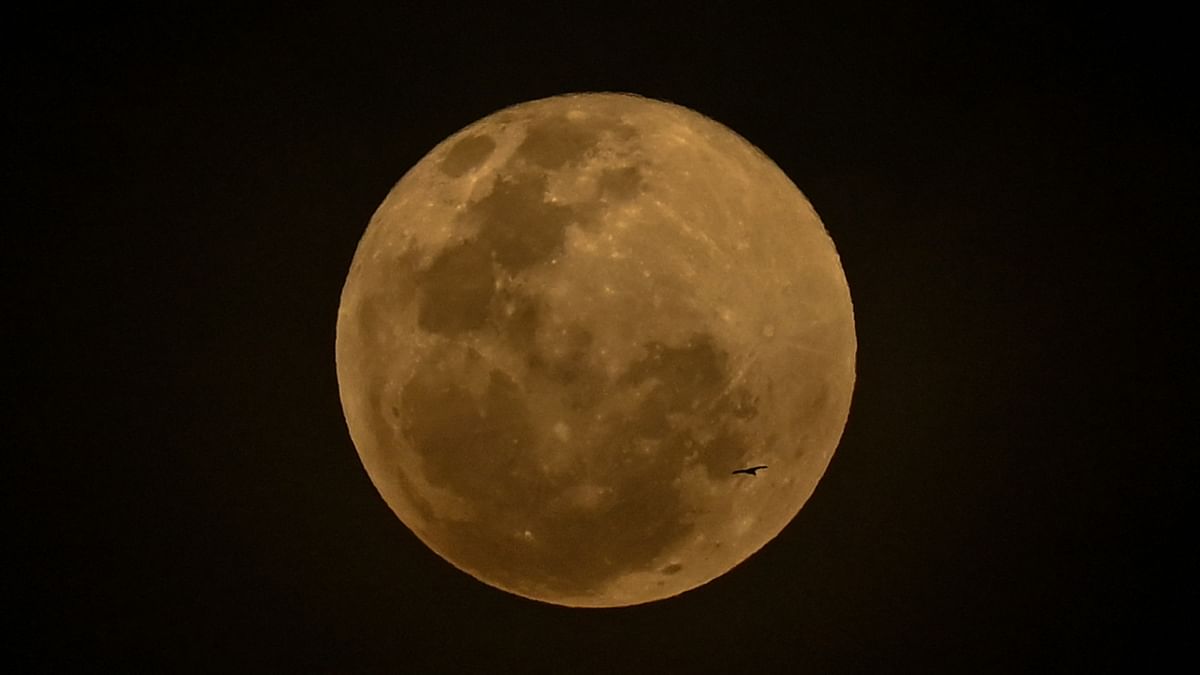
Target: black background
{"points": [[1003, 182]]}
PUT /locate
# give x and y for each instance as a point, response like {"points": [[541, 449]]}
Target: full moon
{"points": [[566, 328]]}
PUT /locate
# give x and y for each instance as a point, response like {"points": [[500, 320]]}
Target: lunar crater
{"points": [[467, 154]]}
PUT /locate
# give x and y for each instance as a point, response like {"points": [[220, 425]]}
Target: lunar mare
{"points": [[568, 324]]}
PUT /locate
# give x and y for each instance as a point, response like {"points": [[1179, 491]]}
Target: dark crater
{"points": [[554, 142], [621, 184], [518, 225], [467, 154], [457, 289]]}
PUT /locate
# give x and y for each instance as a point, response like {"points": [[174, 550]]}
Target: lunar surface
{"points": [[569, 324]]}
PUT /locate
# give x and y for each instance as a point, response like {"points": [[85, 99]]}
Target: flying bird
{"points": [[751, 471]]}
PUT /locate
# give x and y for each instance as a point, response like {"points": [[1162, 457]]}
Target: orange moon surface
{"points": [[569, 323]]}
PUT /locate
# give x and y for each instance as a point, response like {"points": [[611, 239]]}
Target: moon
{"points": [[569, 324]]}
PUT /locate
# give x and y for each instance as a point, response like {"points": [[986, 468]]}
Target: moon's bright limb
{"points": [[568, 325]]}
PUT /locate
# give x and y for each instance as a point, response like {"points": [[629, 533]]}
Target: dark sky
{"points": [[1004, 184]]}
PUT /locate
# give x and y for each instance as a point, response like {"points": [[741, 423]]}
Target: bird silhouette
{"points": [[751, 471]]}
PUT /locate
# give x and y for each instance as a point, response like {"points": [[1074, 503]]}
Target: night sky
{"points": [[1004, 184]]}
